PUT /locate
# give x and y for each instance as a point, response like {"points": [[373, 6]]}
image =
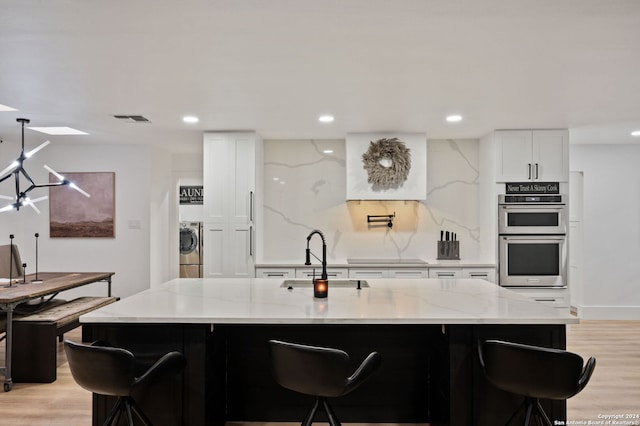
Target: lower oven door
{"points": [[533, 261]]}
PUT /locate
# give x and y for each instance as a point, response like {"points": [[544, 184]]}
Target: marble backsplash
{"points": [[305, 189]]}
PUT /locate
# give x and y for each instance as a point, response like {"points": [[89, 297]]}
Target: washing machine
{"points": [[191, 250]]}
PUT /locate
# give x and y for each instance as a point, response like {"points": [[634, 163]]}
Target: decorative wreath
{"points": [[381, 176]]}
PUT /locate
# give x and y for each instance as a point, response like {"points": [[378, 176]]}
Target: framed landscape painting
{"points": [[73, 215]]}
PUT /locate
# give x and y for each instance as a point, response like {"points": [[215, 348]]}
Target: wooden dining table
{"points": [[47, 285]]}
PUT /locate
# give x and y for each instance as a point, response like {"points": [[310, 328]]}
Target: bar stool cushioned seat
{"points": [[106, 370], [534, 372], [320, 372]]}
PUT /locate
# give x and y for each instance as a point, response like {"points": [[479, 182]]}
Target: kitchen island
{"points": [[425, 329]]}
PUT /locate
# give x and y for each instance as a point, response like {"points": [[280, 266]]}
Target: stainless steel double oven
{"points": [[532, 241]]}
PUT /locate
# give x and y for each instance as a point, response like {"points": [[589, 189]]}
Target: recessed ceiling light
{"points": [[6, 108], [328, 151], [190, 119], [58, 131], [454, 118], [325, 118], [635, 133]]}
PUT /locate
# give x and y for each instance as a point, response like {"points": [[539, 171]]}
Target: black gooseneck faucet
{"points": [[324, 253]]}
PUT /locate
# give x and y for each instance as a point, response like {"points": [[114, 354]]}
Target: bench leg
{"points": [[34, 352]]}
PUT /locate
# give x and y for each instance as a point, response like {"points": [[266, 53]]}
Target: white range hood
{"points": [[386, 166]]}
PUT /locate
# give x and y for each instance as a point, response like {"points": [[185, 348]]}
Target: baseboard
{"points": [[608, 312]]}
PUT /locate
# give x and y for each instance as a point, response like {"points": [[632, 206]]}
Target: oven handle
{"points": [[536, 208], [557, 237]]}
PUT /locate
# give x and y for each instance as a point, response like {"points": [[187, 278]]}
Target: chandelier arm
{"points": [[48, 185], [26, 175], [6, 177]]}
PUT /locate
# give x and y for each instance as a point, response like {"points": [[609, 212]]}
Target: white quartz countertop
{"points": [[386, 301]]}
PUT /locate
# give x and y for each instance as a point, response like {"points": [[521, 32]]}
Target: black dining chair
{"points": [[318, 371], [106, 370], [535, 373]]}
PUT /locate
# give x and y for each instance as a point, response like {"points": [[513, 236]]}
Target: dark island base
{"points": [[429, 373]]}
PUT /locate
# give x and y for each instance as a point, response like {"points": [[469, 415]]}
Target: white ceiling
{"points": [[275, 66]]}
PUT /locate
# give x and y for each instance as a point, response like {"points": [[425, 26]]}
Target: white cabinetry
{"points": [[532, 155], [231, 194], [338, 272]]}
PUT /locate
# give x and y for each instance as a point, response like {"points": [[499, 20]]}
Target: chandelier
{"points": [[16, 169]]}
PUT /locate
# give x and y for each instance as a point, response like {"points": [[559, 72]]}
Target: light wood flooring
{"points": [[614, 387]]}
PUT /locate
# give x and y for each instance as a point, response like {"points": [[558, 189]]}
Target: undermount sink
{"points": [[384, 261], [291, 284]]}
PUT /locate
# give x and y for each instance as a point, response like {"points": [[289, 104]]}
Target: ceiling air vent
{"points": [[132, 118]]}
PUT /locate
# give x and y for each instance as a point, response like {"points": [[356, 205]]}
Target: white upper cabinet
{"points": [[229, 172], [532, 155]]}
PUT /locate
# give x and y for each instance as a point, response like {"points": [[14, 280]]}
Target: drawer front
{"points": [[368, 273], [408, 273], [334, 273], [275, 272], [445, 273], [483, 274]]}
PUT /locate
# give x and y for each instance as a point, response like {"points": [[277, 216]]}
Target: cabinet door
{"points": [[550, 155], [213, 250], [227, 251], [217, 172], [239, 253], [514, 155], [229, 177]]}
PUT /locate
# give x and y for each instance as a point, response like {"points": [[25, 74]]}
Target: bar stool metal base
{"points": [[333, 420], [533, 410]]}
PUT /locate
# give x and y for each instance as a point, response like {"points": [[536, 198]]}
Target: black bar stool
{"points": [[534, 372], [318, 371], [106, 370]]}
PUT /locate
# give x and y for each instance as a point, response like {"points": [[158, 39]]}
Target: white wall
{"points": [[141, 203], [611, 229]]}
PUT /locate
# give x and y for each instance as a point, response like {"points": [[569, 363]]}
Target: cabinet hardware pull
{"points": [[537, 174], [529, 167], [251, 206], [251, 241], [275, 274]]}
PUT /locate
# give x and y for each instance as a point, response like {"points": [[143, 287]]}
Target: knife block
{"points": [[448, 250]]}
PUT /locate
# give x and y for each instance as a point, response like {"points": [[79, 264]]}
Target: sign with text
{"points": [[532, 187], [191, 194]]}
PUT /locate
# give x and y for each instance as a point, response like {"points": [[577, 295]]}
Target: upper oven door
{"points": [[532, 219]]}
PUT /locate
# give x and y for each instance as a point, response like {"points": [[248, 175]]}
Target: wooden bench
{"points": [[35, 337]]}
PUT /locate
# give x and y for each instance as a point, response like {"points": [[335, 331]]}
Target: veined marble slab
{"points": [[387, 301]]}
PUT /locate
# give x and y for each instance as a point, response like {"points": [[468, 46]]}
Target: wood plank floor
{"points": [[614, 388]]}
